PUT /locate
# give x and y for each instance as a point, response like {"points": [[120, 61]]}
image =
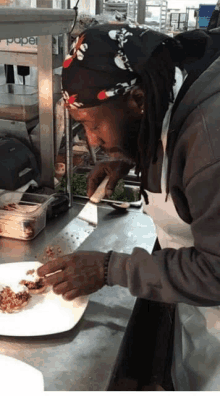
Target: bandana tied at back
{"points": [[105, 61]]}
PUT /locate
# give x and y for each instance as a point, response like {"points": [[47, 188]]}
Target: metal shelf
{"points": [[41, 22], [162, 4], [26, 22]]}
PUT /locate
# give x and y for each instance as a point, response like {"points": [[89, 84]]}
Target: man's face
{"points": [[114, 126]]}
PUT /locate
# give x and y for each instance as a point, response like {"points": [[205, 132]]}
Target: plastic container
{"points": [[21, 101], [23, 215]]}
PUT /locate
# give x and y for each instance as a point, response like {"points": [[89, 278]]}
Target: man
{"points": [[120, 82], [215, 18]]}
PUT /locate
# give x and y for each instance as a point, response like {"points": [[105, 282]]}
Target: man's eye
{"points": [[95, 128], [91, 128]]}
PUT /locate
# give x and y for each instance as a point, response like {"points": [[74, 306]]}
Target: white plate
{"points": [[45, 313], [17, 377]]}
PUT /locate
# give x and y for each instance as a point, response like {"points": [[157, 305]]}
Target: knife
{"points": [[75, 233]]}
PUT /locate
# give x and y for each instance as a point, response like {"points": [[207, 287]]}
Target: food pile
{"points": [[15, 298], [11, 301], [34, 287], [51, 253]]}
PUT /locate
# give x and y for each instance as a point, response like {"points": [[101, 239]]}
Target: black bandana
{"points": [[105, 61]]}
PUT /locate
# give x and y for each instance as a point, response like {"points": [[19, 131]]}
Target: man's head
{"points": [[117, 81], [114, 125]]}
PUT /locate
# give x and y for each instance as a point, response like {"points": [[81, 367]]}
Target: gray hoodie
{"points": [[188, 275]]}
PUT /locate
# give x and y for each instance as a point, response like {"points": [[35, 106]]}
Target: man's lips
{"points": [[118, 153], [114, 151]]}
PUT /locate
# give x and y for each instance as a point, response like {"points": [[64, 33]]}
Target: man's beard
{"points": [[130, 139], [128, 148]]}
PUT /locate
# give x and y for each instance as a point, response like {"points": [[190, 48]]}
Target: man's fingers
{"points": [[70, 295], [91, 187], [54, 279], [51, 266], [94, 180], [62, 288], [111, 185]]}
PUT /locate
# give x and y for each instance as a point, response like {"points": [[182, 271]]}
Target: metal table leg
{"points": [[68, 133], [45, 92]]}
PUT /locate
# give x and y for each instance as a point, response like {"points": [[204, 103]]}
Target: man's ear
{"points": [[136, 100]]}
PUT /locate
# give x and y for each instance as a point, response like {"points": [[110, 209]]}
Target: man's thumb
{"points": [[110, 187]]}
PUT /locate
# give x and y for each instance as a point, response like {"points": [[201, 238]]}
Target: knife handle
{"points": [[99, 194]]}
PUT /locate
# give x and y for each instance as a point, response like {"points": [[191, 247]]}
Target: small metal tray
{"points": [[131, 186]]}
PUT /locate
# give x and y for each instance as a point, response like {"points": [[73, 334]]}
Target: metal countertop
{"points": [[82, 359]]}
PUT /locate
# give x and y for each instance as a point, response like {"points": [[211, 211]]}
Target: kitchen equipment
{"points": [[59, 205], [18, 377], [89, 212], [128, 189], [45, 314], [17, 164], [123, 206], [120, 206], [23, 71], [26, 214]]}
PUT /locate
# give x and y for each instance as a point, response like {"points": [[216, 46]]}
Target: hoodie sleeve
{"points": [[187, 275]]}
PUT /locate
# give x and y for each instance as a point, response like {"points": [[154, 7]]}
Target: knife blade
{"points": [[75, 233]]}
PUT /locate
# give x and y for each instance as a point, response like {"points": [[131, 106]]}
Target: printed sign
{"points": [[25, 44], [205, 13]]}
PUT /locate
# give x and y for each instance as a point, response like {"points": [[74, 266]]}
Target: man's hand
{"points": [[80, 274], [115, 169]]}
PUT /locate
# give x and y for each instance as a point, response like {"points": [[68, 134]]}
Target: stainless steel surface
{"points": [[59, 125], [75, 233], [82, 359], [26, 22], [45, 94], [70, 238], [69, 155]]}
